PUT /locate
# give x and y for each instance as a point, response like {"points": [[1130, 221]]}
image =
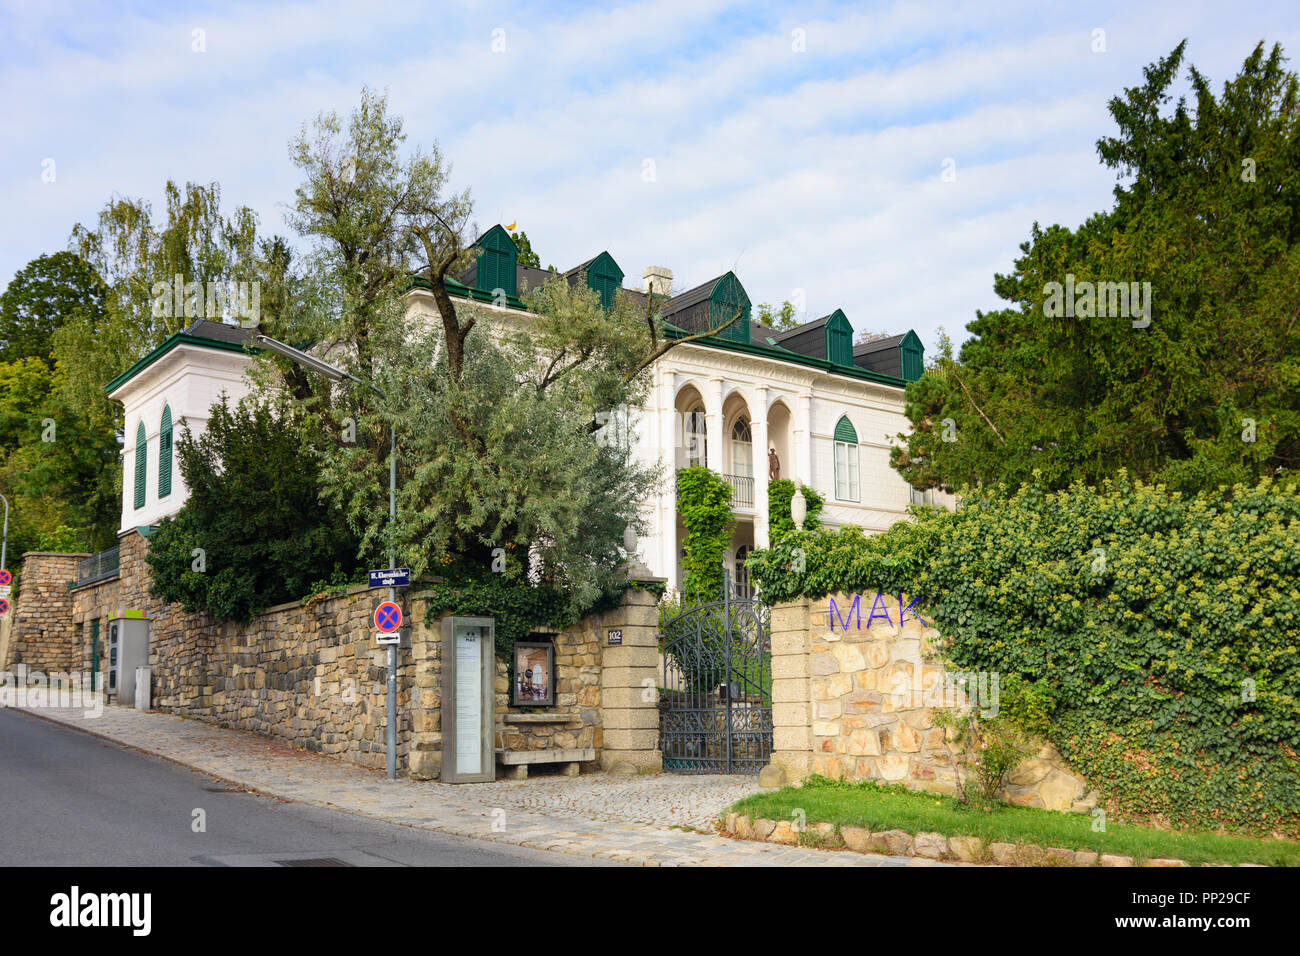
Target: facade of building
{"points": [[748, 402]]}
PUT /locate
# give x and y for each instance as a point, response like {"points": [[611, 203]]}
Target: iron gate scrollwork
{"points": [[715, 703]]}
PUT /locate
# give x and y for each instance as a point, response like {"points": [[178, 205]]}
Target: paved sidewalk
{"points": [[648, 820]]}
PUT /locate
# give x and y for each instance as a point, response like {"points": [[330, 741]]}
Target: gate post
{"points": [[791, 696], [629, 686]]}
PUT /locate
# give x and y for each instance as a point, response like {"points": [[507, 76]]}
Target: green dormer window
{"points": [[728, 298], [496, 262], [912, 357], [605, 278], [839, 339]]}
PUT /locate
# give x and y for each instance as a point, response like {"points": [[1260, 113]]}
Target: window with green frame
{"points": [[846, 461], [141, 464], [165, 453]]}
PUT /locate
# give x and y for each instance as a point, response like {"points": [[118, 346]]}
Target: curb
{"points": [[932, 846]]}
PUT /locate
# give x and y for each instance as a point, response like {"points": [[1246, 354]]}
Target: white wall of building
{"points": [[189, 379]]}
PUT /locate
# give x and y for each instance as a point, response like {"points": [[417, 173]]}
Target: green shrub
{"points": [[779, 494], [1164, 627]]}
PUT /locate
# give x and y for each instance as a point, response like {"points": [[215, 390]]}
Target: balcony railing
{"points": [[98, 566], [742, 490]]}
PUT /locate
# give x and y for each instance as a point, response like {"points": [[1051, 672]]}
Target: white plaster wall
{"points": [[190, 379]]}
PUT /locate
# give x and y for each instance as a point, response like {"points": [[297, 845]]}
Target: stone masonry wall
{"points": [[43, 635], [314, 677], [858, 703]]}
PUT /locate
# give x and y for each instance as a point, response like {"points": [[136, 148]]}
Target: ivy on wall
{"points": [[1164, 626], [704, 503], [779, 494]]}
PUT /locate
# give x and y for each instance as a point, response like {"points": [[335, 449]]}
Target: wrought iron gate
{"points": [[715, 702]]}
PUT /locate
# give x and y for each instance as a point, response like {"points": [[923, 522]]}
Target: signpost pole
{"points": [[4, 544], [392, 596]]}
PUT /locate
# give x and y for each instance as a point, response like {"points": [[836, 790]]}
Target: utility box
{"points": [[128, 649], [143, 687]]}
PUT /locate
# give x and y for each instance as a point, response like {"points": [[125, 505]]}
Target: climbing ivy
{"points": [[1164, 626], [779, 494], [704, 502]]}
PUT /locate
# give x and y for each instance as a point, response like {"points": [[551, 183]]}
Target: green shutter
{"points": [[912, 357], [141, 464], [839, 339], [165, 454], [844, 431], [604, 277], [496, 261], [728, 298]]}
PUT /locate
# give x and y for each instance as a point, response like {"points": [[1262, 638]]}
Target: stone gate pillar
{"points": [[629, 681], [791, 712]]}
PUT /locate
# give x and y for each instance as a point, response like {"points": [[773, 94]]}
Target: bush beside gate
{"points": [[1164, 626]]}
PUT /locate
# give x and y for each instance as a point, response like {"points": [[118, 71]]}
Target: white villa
{"points": [[750, 403]]}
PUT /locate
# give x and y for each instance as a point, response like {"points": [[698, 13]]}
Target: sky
{"points": [[883, 158]]}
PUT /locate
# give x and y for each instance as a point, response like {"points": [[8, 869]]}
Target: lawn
{"points": [[893, 807]]}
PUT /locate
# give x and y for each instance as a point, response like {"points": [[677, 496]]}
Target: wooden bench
{"points": [[521, 759]]}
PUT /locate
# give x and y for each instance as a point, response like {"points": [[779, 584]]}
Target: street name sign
{"points": [[390, 578]]}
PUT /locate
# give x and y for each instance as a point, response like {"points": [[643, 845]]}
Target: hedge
{"points": [[1165, 626]]}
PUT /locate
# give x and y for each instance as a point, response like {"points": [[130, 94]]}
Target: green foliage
{"points": [[1207, 212], [778, 320], [519, 607], [704, 503], [1165, 627], [877, 806], [58, 471], [779, 494], [255, 510], [525, 255], [40, 298], [989, 746]]}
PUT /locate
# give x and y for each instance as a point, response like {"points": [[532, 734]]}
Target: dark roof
{"points": [[799, 330], [684, 300], [220, 331], [876, 345]]}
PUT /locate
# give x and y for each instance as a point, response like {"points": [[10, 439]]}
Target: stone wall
{"points": [[43, 635], [314, 677], [858, 702]]}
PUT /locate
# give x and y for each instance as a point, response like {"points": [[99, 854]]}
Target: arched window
{"points": [[846, 461], [165, 453], [697, 438], [141, 463], [742, 449]]}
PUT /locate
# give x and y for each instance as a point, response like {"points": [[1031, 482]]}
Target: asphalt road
{"points": [[70, 799]]}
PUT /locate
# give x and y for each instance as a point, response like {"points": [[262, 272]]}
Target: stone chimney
{"points": [[658, 279]]}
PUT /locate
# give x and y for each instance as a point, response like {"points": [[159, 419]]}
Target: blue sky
{"points": [[814, 173]]}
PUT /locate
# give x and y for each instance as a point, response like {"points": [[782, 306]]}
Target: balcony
{"points": [[97, 567], [742, 490]]}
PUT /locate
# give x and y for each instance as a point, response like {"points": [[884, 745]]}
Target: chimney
{"points": [[658, 279]]}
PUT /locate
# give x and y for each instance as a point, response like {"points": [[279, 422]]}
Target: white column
{"points": [[758, 425], [713, 422], [670, 438], [803, 439]]}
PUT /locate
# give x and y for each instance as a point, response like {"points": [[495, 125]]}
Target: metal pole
{"points": [[4, 545], [392, 596]]}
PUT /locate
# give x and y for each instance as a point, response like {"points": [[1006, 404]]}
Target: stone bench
{"points": [[520, 759]]}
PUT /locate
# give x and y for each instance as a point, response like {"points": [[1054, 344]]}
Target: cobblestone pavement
{"points": [[650, 820]]}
